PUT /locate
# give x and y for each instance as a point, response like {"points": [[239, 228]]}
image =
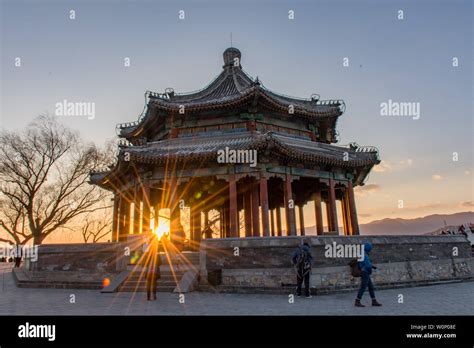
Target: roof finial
{"points": [[231, 39], [232, 57]]}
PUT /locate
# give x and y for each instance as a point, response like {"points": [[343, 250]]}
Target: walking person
{"points": [[302, 260], [17, 261], [366, 267], [17, 258], [153, 263]]}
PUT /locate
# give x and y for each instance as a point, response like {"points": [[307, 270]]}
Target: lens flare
{"points": [[162, 229]]}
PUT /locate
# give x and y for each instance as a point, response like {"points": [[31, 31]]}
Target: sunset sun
{"points": [[162, 229]]}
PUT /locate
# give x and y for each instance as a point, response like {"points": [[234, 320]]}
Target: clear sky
{"points": [[409, 60]]}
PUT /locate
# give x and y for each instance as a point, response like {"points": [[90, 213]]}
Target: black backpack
{"points": [[303, 260], [355, 270]]}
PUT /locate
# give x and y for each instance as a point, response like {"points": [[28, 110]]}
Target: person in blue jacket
{"points": [[365, 280]]}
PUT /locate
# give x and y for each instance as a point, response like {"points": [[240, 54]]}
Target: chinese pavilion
{"points": [[171, 158]]}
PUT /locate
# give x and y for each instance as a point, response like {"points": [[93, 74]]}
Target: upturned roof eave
{"points": [[226, 103], [144, 154], [257, 91], [261, 142]]}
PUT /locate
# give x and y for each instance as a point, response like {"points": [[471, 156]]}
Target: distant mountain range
{"points": [[424, 225]]}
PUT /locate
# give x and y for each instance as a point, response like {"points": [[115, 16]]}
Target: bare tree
{"points": [[95, 228], [44, 185]]}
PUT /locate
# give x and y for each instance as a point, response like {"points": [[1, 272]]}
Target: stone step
{"points": [[137, 277], [143, 286], [175, 271], [186, 256], [137, 283], [60, 285], [163, 269], [143, 281], [184, 262], [186, 259], [159, 288], [171, 275], [162, 272]]}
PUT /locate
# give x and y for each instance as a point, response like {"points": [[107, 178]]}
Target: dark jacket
{"points": [[366, 265], [302, 248]]}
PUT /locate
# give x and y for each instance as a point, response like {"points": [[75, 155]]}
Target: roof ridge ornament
{"points": [[169, 92], [232, 57]]}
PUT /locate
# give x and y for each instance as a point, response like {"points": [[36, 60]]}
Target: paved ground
{"points": [[448, 299]]}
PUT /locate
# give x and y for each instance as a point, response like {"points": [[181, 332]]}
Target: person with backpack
{"points": [[366, 267], [302, 260], [152, 267]]}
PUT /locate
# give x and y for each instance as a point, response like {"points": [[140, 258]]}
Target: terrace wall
{"points": [[264, 264]]}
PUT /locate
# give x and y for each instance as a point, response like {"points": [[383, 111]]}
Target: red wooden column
{"points": [[146, 208], [120, 219], [301, 215], [227, 221], [136, 209], [290, 212], [264, 204], [318, 213], [248, 213], [124, 227], [115, 218], [233, 213], [332, 206], [344, 215], [352, 209], [347, 214], [198, 225], [195, 227], [221, 222], [206, 218], [255, 211], [173, 204], [278, 221], [328, 215]]}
